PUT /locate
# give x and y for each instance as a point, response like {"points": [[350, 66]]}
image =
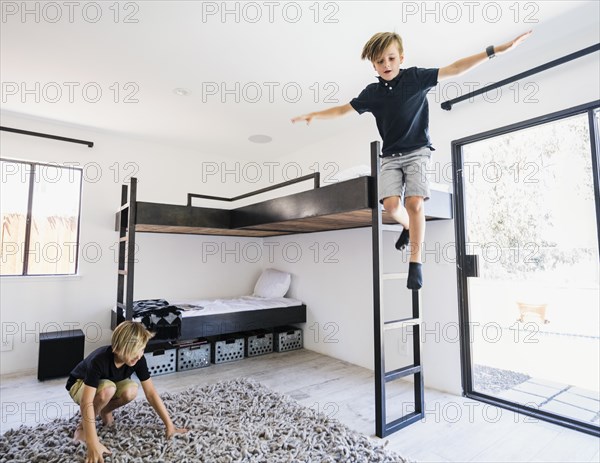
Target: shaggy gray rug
{"points": [[231, 421]]}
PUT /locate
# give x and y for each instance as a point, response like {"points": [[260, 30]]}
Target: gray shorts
{"points": [[405, 175]]}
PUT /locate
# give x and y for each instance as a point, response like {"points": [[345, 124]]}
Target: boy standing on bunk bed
{"points": [[101, 383], [398, 102]]}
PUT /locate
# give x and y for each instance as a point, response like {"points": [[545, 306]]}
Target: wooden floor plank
{"points": [[454, 428]]}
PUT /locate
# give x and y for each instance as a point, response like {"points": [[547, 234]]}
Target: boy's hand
{"points": [[305, 117], [173, 430], [508, 46], [95, 453]]}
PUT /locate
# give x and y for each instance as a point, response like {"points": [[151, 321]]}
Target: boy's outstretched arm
{"points": [[325, 114], [463, 65], [158, 406]]}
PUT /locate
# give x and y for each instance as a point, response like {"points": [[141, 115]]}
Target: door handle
{"points": [[472, 265]]}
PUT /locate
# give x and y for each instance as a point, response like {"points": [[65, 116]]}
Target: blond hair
{"points": [[374, 48], [129, 338]]}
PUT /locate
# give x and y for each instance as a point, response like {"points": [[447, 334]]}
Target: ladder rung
{"points": [[122, 272], [392, 228], [120, 305], [402, 323], [123, 207], [123, 238], [402, 372], [395, 276], [403, 422]]}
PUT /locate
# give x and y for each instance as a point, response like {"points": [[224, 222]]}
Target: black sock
{"points": [[402, 240], [415, 276]]}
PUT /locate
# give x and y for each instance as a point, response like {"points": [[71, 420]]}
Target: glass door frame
{"points": [[466, 267]]}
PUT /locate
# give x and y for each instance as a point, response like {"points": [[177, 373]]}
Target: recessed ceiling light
{"points": [[260, 138], [181, 92]]}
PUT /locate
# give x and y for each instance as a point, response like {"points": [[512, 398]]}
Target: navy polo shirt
{"points": [[100, 364], [400, 109]]}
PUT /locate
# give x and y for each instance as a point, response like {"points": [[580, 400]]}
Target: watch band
{"points": [[490, 52]]}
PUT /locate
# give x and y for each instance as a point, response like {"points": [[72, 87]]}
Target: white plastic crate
{"points": [[161, 361], [259, 342], [194, 354], [228, 349], [288, 338]]}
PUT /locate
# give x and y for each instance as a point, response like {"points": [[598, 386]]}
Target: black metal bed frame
{"points": [[355, 194], [192, 327]]}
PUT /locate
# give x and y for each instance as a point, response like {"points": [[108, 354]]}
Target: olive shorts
{"points": [[76, 391]]}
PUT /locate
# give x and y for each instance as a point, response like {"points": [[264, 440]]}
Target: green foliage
{"points": [[527, 193]]}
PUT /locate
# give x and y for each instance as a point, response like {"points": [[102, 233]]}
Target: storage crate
{"points": [[193, 354], [161, 361], [227, 348], [287, 338], [259, 342]]}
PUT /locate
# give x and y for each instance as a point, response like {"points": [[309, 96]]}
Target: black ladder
{"points": [[125, 225], [382, 427]]}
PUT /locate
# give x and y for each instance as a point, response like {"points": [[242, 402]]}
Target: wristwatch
{"points": [[490, 51]]}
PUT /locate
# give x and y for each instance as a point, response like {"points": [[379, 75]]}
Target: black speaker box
{"points": [[60, 352]]}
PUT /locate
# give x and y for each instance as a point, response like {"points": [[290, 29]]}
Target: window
{"points": [[529, 224], [40, 208]]}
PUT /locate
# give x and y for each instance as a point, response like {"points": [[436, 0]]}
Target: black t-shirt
{"points": [[400, 109], [100, 364]]}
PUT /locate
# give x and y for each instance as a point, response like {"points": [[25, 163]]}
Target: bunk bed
{"points": [[344, 205]]}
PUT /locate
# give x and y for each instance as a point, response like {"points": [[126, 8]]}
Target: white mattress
{"points": [[240, 304], [199, 307]]}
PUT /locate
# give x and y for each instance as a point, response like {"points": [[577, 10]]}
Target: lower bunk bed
{"points": [[220, 330], [205, 318], [194, 333]]}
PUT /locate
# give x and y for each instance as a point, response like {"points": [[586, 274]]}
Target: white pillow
{"points": [[272, 283]]}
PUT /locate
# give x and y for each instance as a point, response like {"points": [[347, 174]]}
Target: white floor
{"points": [[454, 428]]}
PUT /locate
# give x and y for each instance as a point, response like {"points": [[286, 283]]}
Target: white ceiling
{"points": [[191, 45]]}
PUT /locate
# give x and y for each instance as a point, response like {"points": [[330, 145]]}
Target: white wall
{"points": [[169, 265], [341, 293], [332, 275]]}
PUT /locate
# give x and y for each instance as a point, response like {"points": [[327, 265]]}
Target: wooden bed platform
{"points": [[337, 206]]}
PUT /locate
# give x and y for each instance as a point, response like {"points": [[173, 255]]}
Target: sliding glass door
{"points": [[528, 266]]}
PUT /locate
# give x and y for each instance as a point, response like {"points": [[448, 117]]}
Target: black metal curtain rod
{"points": [[447, 105], [90, 144]]}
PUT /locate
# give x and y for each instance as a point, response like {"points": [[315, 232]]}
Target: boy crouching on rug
{"points": [[101, 383]]}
